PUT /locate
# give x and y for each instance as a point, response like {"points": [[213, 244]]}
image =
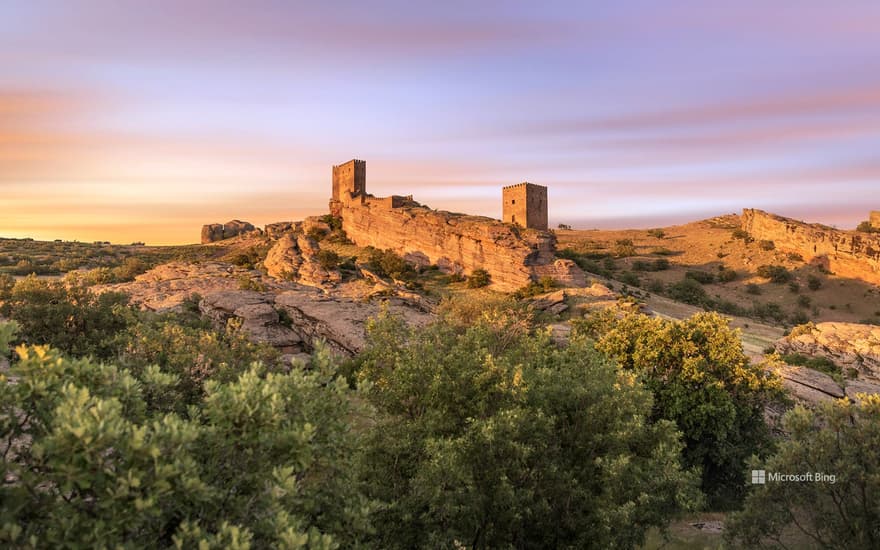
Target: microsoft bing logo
{"points": [[759, 477]]}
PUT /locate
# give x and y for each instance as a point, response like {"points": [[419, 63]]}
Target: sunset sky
{"points": [[142, 120]]}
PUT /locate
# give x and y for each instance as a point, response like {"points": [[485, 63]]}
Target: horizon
{"points": [[128, 122]]}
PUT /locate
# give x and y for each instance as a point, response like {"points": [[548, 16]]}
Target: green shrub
{"points": [[768, 311], [624, 248], [485, 424], [387, 263], [702, 277], [702, 380], [629, 278], [327, 259], [804, 301], [657, 233], [754, 289], [814, 283], [766, 245], [478, 279], [660, 264], [775, 273], [726, 275], [741, 234], [824, 439], [688, 291], [794, 257], [866, 227]]}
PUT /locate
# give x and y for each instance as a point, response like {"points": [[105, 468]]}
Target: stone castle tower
{"points": [[349, 184], [525, 204], [875, 219]]}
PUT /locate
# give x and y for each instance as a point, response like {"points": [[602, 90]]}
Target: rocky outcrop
{"points": [[850, 346], [846, 253], [295, 258], [167, 286], [278, 229], [564, 272], [454, 242], [219, 231], [295, 320], [315, 226]]}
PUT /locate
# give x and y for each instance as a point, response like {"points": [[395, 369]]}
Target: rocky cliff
{"points": [[845, 253], [218, 231], [457, 242]]}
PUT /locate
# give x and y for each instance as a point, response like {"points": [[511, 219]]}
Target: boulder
{"points": [[277, 229], [313, 225], [295, 259], [848, 345], [217, 232], [259, 318], [284, 259]]}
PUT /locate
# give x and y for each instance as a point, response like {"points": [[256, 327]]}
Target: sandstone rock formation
{"points": [[846, 253], [848, 345], [314, 225], [219, 231], [277, 229], [454, 242], [294, 258]]}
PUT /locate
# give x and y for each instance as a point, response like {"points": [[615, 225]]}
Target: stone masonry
{"points": [[525, 204]]}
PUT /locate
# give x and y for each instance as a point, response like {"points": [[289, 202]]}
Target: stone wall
{"points": [[455, 242], [875, 219], [525, 204], [845, 253]]}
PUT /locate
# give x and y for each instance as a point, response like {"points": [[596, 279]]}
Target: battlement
{"points": [[525, 204]]}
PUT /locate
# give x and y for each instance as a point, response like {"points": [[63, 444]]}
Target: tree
{"points": [[702, 380], [839, 438], [479, 278], [262, 460], [68, 317], [490, 436]]}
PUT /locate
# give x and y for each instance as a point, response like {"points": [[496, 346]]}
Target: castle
{"points": [[875, 219], [514, 253]]}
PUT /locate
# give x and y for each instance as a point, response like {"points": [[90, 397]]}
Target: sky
{"points": [[127, 120]]}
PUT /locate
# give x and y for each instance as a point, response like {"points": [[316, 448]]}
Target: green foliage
{"points": [[7, 282], [335, 222], [726, 275], [544, 284], [629, 278], [656, 233], [775, 273], [804, 301], [246, 282], [264, 460], [660, 264], [702, 277], [838, 438], [769, 311], [702, 380], [688, 291], [814, 283], [624, 248], [741, 234], [484, 425], [794, 257], [68, 317], [753, 289], [866, 227], [8, 330], [328, 259], [478, 279], [766, 245], [387, 263]]}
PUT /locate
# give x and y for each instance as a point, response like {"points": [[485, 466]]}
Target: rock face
{"points": [[294, 320], [295, 258], [454, 242], [219, 231], [277, 229], [846, 253], [848, 345]]}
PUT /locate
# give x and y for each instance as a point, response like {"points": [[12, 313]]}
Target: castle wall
{"points": [[875, 219], [845, 253], [455, 242]]}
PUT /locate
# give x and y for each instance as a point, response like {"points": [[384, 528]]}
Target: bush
{"points": [[624, 248], [327, 259], [660, 264], [478, 279], [866, 227], [766, 245], [70, 318], [742, 234], [657, 233], [702, 277], [794, 257], [726, 275], [753, 289], [484, 425], [814, 283], [775, 273], [688, 291], [629, 278], [794, 287], [264, 459], [804, 301], [769, 311], [839, 438], [702, 380], [386, 263]]}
